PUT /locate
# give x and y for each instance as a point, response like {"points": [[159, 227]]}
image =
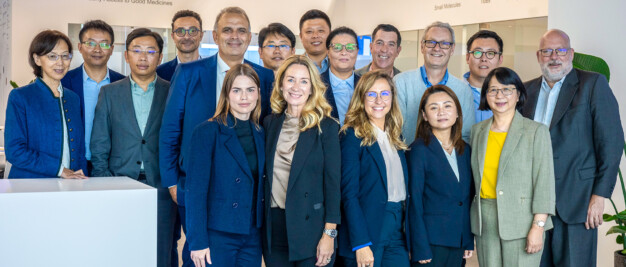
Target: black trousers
{"points": [[570, 245]]}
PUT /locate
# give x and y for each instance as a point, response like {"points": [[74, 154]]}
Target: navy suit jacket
{"points": [[166, 70], [330, 97], [73, 80], [220, 183], [192, 100], [363, 193], [440, 204]]}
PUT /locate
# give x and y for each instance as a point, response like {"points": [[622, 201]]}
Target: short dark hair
{"points": [[387, 28], [277, 29], [314, 14], [503, 75], [342, 30], [98, 25], [484, 34], [42, 44], [141, 32], [186, 13]]}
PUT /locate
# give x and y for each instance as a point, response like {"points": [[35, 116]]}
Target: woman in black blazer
{"points": [[303, 170]]}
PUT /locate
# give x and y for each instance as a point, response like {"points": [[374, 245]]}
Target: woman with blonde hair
{"points": [[303, 169], [374, 177]]}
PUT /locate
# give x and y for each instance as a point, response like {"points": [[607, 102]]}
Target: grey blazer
{"points": [[525, 176], [117, 146]]}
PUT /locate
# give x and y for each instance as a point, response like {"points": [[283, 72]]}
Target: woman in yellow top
{"points": [[513, 176]]}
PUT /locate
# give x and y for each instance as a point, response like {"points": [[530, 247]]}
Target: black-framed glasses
{"points": [[92, 45], [371, 96], [55, 57], [505, 91], [282, 47], [150, 52], [433, 43], [193, 31], [338, 47], [477, 54], [559, 52]]}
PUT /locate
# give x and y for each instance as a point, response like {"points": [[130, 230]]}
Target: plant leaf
{"points": [[608, 217], [591, 63], [619, 239], [14, 84], [617, 229]]}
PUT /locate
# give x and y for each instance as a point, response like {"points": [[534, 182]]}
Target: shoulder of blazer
{"points": [[162, 83], [329, 123], [115, 76], [123, 83], [207, 127]]}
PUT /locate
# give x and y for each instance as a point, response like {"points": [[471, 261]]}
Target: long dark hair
{"points": [[423, 127]]}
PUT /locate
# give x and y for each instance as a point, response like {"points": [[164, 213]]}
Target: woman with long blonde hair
{"points": [[374, 177], [303, 169]]}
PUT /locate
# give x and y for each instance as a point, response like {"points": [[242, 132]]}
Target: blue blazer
{"points": [[330, 97], [33, 134], [166, 70], [73, 80], [363, 193], [220, 183], [192, 100], [440, 205]]}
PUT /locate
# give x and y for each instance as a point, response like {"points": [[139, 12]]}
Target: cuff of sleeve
{"points": [[60, 171], [362, 246]]}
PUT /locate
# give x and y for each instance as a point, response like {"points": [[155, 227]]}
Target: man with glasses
{"points": [[437, 47], [126, 128], [385, 48], [587, 142], [340, 78], [187, 34], [96, 46], [484, 53], [314, 29], [277, 44]]}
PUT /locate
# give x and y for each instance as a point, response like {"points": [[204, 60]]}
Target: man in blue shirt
{"points": [[314, 30], [484, 53], [96, 46], [187, 34]]}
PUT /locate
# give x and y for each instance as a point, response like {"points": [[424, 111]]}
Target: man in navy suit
{"points": [[96, 45], [187, 34], [193, 97]]}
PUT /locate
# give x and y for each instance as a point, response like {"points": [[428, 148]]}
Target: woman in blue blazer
{"points": [[225, 177], [374, 177], [440, 182], [43, 130]]}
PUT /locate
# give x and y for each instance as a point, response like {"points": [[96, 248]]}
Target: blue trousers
{"points": [[569, 245], [228, 249]]}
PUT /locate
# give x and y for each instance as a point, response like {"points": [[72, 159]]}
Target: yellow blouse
{"points": [[495, 142]]}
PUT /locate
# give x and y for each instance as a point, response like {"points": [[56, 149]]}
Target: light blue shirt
{"points": [[342, 91], [222, 68], [142, 102], [481, 115], [91, 90], [323, 67], [65, 159], [547, 101], [451, 160]]}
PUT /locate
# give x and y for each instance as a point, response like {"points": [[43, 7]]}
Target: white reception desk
{"points": [[108, 222]]}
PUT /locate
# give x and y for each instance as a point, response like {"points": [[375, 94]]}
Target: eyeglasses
{"points": [[150, 53], [193, 31], [371, 96], [505, 91], [559, 52], [338, 47], [55, 57], [442, 45], [282, 47], [92, 45], [489, 54]]}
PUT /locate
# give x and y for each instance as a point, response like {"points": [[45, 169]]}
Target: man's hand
{"points": [[594, 212], [174, 194], [69, 174]]}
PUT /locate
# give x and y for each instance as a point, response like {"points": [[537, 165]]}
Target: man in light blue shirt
{"points": [[314, 30]]}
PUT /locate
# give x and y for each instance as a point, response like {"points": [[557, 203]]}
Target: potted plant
{"points": [[620, 229]]}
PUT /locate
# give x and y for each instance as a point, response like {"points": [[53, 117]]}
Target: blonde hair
{"points": [[223, 104], [357, 118], [316, 106]]}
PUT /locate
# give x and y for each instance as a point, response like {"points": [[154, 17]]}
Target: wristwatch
{"points": [[331, 232], [539, 223]]}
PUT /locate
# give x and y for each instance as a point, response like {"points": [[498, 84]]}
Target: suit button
{"points": [[72, 160], [235, 205], [306, 218], [68, 120], [72, 150], [64, 101], [72, 140], [71, 129], [143, 141], [237, 180], [138, 162], [306, 194], [66, 111], [460, 203], [262, 200], [501, 192]]}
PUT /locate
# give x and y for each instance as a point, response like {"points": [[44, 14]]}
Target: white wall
{"points": [[596, 28]]}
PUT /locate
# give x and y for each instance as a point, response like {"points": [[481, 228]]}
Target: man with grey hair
{"points": [[437, 46], [587, 141], [193, 97]]}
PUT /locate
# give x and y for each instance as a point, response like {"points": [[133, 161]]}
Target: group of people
{"points": [[308, 162]]}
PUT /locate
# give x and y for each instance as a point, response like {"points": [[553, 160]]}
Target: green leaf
{"points": [[623, 252], [14, 84], [608, 217], [616, 229], [591, 63], [619, 239]]}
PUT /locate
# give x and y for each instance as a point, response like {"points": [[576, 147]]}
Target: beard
{"points": [[552, 77], [187, 46]]}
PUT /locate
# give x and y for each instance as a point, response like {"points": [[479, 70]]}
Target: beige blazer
{"points": [[525, 176]]}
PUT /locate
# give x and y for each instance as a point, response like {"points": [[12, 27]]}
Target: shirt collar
{"points": [[544, 83], [336, 82], [443, 81], [86, 76], [222, 66], [178, 59], [60, 89], [136, 88], [324, 62], [466, 79]]}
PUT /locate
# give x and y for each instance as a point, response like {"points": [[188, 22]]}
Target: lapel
{"points": [[464, 176], [231, 141], [404, 170], [303, 147], [259, 143], [77, 85], [377, 154], [512, 139], [481, 149], [128, 107], [158, 103], [329, 94], [438, 151], [534, 87], [568, 90], [208, 79], [273, 131]]}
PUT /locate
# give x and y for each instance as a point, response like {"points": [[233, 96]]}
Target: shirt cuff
{"points": [[60, 171], [171, 186], [362, 246]]}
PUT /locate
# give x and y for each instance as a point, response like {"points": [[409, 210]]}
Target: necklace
{"points": [[447, 147]]}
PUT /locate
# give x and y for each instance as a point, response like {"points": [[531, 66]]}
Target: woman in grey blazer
{"points": [[513, 176]]}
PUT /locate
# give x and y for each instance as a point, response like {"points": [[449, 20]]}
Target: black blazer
{"points": [[313, 191], [166, 70], [587, 140]]}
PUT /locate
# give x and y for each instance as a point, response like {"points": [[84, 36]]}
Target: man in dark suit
{"points": [[340, 78], [96, 45], [587, 140], [193, 97], [187, 34], [385, 48], [126, 128]]}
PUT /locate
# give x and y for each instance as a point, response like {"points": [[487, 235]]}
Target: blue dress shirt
{"points": [[547, 101], [481, 115], [91, 91], [342, 91], [427, 82], [324, 65]]}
